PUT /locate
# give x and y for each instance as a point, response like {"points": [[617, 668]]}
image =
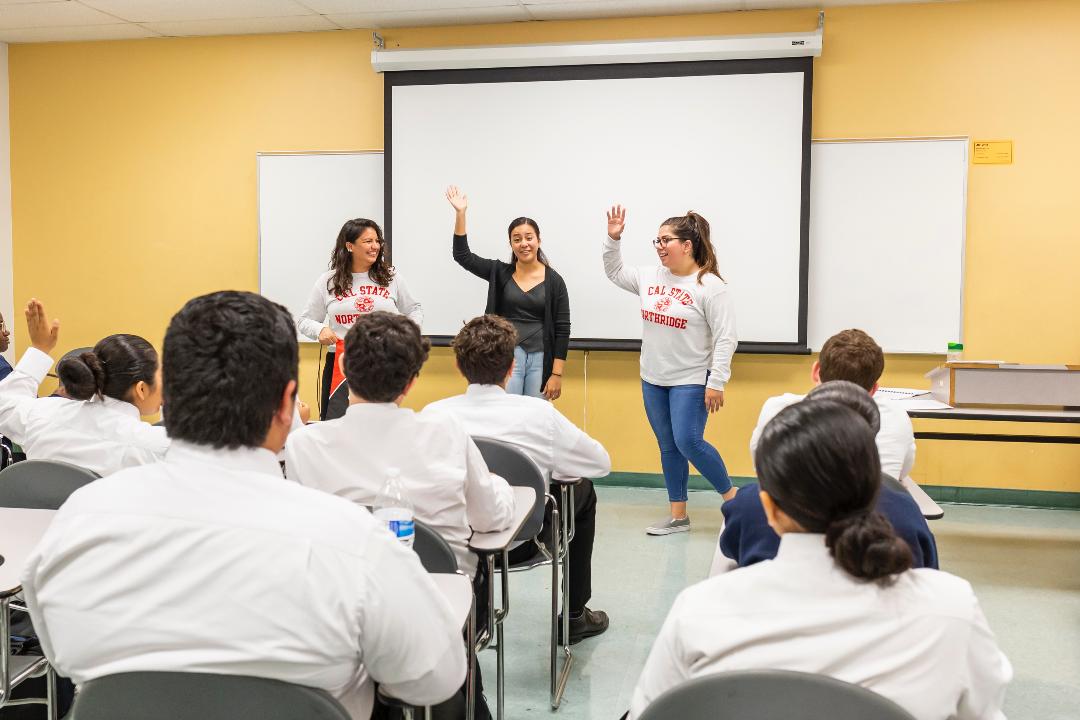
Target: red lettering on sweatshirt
{"points": [[673, 322]]}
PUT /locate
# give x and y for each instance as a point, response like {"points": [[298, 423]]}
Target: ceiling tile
{"points": [[181, 10], [353, 7], [51, 14], [120, 31], [243, 26], [507, 13]]}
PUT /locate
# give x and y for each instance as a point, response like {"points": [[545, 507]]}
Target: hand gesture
{"points": [[714, 399], [553, 388], [616, 221], [458, 199], [43, 334], [328, 336]]}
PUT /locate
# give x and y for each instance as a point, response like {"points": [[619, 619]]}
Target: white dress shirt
{"points": [[442, 470], [558, 446], [895, 438], [922, 642], [211, 562], [104, 435]]}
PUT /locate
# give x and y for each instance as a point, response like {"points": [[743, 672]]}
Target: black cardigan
{"points": [[556, 300]]}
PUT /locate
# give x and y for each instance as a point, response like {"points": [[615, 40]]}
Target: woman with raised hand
{"points": [[360, 280], [840, 598], [687, 340], [527, 292], [97, 426]]}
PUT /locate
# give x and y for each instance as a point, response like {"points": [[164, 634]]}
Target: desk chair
{"points": [[519, 469], [201, 696], [41, 484], [768, 694]]}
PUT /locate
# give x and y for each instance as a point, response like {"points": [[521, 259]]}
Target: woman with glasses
{"points": [[527, 292], [359, 281], [687, 339]]}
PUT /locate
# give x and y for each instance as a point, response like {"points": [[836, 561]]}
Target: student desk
{"points": [[20, 531]]}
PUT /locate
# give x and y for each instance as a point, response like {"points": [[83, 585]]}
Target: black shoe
{"points": [[591, 622]]}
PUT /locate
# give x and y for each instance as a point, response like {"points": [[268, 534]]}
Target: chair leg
{"points": [[558, 686], [500, 654], [50, 694], [470, 686], [554, 603]]}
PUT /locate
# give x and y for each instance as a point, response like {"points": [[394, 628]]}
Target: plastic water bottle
{"points": [[394, 509], [955, 352]]}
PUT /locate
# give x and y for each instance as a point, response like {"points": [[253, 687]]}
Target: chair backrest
{"points": [[435, 553], [201, 696], [519, 470], [41, 484], [768, 694]]}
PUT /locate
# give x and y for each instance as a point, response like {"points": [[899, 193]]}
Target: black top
{"points": [[526, 311], [556, 323]]}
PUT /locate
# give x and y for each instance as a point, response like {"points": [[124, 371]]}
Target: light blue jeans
{"points": [[528, 373]]}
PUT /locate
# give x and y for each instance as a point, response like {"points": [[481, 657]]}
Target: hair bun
{"points": [[865, 545], [83, 376]]}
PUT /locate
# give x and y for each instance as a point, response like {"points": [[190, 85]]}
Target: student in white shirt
{"points": [[839, 598], [97, 425], [687, 340], [359, 281], [209, 561], [484, 350]]}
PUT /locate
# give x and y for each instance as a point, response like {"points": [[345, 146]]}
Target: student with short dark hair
{"points": [[747, 538], [840, 598], [484, 350], [97, 424], [209, 561]]}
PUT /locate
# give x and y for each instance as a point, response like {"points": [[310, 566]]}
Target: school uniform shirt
{"points": [[687, 328], [895, 438], [5, 367], [102, 434], [211, 562], [442, 470], [559, 448], [339, 312], [922, 642]]}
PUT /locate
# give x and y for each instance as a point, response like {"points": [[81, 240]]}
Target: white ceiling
{"points": [[58, 20]]}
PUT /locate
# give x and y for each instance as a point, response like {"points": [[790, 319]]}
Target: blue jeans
{"points": [[677, 415], [528, 373]]}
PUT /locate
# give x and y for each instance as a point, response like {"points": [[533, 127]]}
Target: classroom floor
{"points": [[1024, 565]]}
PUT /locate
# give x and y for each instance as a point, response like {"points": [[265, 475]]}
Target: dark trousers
{"points": [[581, 547]]}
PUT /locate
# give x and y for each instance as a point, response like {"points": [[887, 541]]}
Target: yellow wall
{"points": [[133, 172]]}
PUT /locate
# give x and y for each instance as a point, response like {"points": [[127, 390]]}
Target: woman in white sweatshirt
{"points": [[359, 281], [687, 339], [97, 426]]}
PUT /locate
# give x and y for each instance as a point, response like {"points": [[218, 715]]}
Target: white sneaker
{"points": [[669, 525]]}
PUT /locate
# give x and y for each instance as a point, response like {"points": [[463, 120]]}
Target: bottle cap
{"points": [[953, 347]]}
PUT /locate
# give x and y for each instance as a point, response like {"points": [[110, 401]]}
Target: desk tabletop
{"points": [[458, 591], [524, 499], [20, 531], [999, 414]]}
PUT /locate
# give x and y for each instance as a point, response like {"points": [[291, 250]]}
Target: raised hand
{"points": [[458, 199], [616, 221], [43, 334]]}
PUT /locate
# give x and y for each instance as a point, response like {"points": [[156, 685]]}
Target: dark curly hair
{"points": [[111, 369], [383, 353], [227, 359], [484, 349], [341, 259]]}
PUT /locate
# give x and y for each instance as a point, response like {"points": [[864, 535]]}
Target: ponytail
{"points": [[866, 546], [695, 228], [114, 366]]}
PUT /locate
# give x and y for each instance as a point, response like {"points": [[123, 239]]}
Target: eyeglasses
{"points": [[665, 240]]}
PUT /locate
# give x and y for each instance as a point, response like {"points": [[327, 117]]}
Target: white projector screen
{"points": [[730, 140]]}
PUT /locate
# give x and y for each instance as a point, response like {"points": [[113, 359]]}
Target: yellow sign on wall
{"points": [[992, 152]]}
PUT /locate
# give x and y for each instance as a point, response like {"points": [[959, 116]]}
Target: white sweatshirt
{"points": [[688, 328], [339, 312]]}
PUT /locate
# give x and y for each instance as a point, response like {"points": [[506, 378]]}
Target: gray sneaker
{"points": [[669, 525]]}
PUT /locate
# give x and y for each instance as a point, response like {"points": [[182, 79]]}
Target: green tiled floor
{"points": [[1024, 564]]}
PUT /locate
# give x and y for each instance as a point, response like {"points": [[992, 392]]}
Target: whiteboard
{"points": [[304, 199], [887, 226]]}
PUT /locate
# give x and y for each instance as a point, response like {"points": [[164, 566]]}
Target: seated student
{"points": [[853, 355], [97, 426], [210, 562], [747, 537], [442, 470], [484, 350], [840, 598]]}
